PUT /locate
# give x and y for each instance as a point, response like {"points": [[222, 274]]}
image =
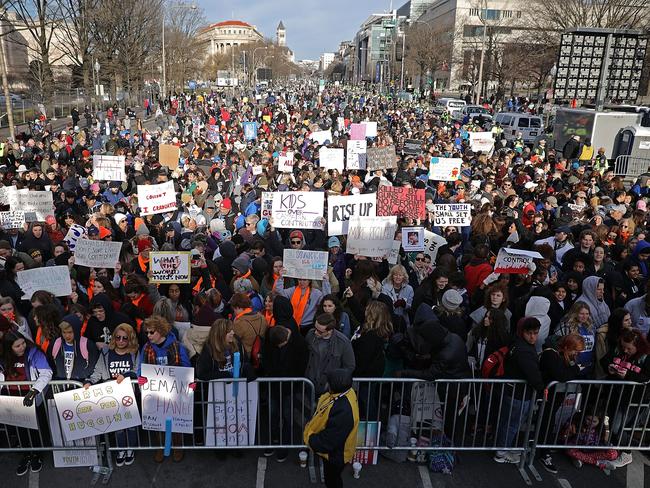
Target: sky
{"points": [[313, 26]]}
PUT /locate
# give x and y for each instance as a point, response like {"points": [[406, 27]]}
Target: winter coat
{"points": [[196, 336], [82, 367], [475, 272], [102, 370], [522, 364], [369, 355], [337, 354], [247, 327], [98, 331], [162, 353]]}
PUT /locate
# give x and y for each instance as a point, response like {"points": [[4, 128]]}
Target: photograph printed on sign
{"points": [[413, 239]]}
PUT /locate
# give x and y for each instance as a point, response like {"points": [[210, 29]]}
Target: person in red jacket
{"points": [[478, 268]]}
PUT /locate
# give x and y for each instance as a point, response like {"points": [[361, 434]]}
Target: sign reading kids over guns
{"points": [[298, 210]]}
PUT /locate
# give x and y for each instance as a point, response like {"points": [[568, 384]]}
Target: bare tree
{"points": [[184, 54], [426, 50]]}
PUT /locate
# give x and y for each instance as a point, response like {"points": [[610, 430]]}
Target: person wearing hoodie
{"points": [[593, 294], [103, 320], [639, 309], [241, 268], [113, 193], [36, 239], [73, 355], [283, 314], [196, 336], [538, 308], [640, 256]]}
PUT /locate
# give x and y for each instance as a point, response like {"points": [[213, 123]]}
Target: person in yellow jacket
{"points": [[586, 153], [332, 431]]}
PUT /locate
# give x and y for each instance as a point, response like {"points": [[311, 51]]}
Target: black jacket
{"points": [[101, 331], [287, 361], [522, 364], [331, 440], [369, 355]]}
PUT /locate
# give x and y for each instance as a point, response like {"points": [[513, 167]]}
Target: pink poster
{"points": [[357, 132]]}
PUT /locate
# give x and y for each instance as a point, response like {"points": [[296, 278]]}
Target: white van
{"points": [[512, 123], [450, 104]]}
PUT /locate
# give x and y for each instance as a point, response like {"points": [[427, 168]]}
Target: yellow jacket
{"points": [[587, 153], [318, 423]]}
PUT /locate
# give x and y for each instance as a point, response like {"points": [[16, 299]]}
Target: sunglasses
{"points": [[296, 242], [419, 259], [121, 338], [151, 332]]}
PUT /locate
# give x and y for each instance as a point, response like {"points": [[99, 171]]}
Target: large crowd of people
{"points": [[581, 312]]}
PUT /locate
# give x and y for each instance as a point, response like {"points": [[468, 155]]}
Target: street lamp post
{"points": [[97, 86], [477, 95]]}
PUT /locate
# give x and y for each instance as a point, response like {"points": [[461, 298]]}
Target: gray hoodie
{"points": [[538, 307]]}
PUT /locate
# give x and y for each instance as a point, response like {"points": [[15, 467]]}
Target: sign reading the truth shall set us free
{"points": [[170, 267], [457, 214]]}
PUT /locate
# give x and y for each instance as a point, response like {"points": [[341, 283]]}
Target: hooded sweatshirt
{"points": [[283, 313], [102, 331], [74, 361], [643, 263], [538, 307], [598, 308]]}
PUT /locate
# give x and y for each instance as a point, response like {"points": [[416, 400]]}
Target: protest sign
{"points": [[371, 128], [432, 243], [250, 131], [102, 408], [367, 436], [412, 146], [232, 417], [371, 236], [267, 204], [380, 158], [413, 239], [285, 162], [445, 169], [340, 209], [340, 123], [109, 168], [212, 133], [169, 155], [515, 261], [39, 202], [6, 194], [167, 393], [322, 136], [458, 214], [357, 132], [55, 279], [157, 199], [306, 265], [298, 210], [401, 202], [481, 141], [331, 158], [97, 254], [69, 458], [394, 252], [258, 169], [13, 412], [12, 219], [169, 267], [73, 235], [356, 154]]}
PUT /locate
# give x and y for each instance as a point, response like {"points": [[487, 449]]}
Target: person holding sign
{"points": [[23, 361], [74, 356], [304, 299]]}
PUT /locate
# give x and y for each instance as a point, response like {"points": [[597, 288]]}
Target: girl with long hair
{"points": [[578, 321], [217, 356]]}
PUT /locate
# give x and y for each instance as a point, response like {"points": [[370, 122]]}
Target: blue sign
{"points": [[192, 85], [250, 130]]}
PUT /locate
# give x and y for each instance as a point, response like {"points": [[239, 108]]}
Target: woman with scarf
{"points": [[304, 299]]}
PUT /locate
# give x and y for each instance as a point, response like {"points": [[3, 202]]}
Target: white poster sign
{"points": [[371, 129], [167, 394], [481, 141], [322, 136], [106, 407], [432, 243], [12, 220], [331, 158], [394, 252], [515, 261], [267, 204], [70, 458], [7, 193], [55, 279], [445, 169], [232, 417], [39, 202], [109, 168], [73, 235], [298, 210], [371, 236], [97, 254], [157, 199], [306, 265], [13, 412], [413, 239], [356, 154], [285, 162], [169, 267], [258, 170], [458, 214], [340, 209]]}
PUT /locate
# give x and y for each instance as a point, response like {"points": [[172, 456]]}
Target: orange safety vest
{"points": [[41, 341]]}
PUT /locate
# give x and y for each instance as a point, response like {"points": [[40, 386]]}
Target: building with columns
{"points": [[220, 37]]}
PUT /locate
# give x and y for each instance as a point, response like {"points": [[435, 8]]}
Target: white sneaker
{"points": [[624, 459], [507, 457]]}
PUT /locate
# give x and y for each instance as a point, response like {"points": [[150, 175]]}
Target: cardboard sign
{"points": [[355, 154], [445, 169], [212, 133], [285, 162], [515, 261], [331, 158], [380, 158], [322, 136], [12, 220], [39, 202], [231, 417], [432, 243], [97, 254], [357, 132], [156, 199], [74, 234], [371, 128], [458, 214], [481, 141], [371, 236], [413, 239], [250, 131], [69, 458], [106, 407], [298, 210], [367, 436], [340, 209], [412, 146], [167, 393], [169, 267], [169, 155], [13, 412], [401, 202], [267, 204], [109, 168], [55, 279], [306, 265]]}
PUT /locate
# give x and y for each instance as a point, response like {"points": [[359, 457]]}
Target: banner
{"points": [[231, 417], [55, 279], [212, 133], [306, 265], [12, 220], [401, 202], [267, 204], [73, 235], [371, 128], [70, 458], [97, 254], [458, 214], [412, 146], [356, 154], [156, 199], [481, 141], [340, 209], [371, 236], [167, 393], [322, 136], [445, 169], [413, 239], [169, 267], [331, 158], [13, 412], [432, 243], [169, 155], [285, 162], [106, 407], [515, 261], [109, 168], [250, 131], [39, 202], [380, 158], [298, 210], [357, 132]]}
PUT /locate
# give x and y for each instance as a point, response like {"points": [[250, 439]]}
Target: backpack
{"points": [[256, 349], [83, 347], [495, 364], [443, 460]]}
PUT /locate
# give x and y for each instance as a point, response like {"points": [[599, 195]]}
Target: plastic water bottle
{"points": [[413, 453]]}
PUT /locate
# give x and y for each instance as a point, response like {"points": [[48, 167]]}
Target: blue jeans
{"points": [[513, 413], [127, 438]]}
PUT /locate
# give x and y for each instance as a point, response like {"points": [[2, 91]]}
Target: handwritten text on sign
{"points": [[380, 158], [39, 202], [13, 412], [55, 279], [458, 214], [331, 158], [103, 408], [445, 169], [167, 393], [371, 236], [12, 219], [401, 202], [109, 168], [298, 210], [515, 261], [97, 254], [356, 154], [231, 418], [157, 199], [340, 209], [170, 267], [306, 265]]}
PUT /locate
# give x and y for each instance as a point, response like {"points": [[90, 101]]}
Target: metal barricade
{"points": [[630, 166]]}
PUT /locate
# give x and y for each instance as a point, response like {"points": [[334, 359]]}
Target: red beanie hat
{"points": [[226, 203], [144, 244]]}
